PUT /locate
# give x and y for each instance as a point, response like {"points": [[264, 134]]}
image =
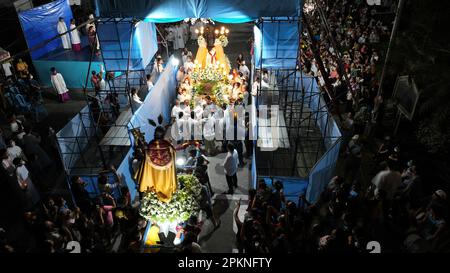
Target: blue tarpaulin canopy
{"points": [[229, 11]]}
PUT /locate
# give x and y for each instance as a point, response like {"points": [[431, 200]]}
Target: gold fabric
{"points": [[201, 56], [221, 57], [158, 178]]}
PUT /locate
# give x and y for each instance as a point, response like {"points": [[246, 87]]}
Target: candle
{"points": [[216, 31], [227, 31]]}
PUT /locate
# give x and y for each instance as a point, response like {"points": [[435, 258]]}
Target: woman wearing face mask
{"points": [[25, 183]]}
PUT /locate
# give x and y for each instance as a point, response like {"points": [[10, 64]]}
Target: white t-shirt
{"points": [[22, 173], [244, 70], [231, 162]]}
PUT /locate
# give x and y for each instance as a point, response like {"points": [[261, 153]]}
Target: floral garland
{"points": [[184, 202]]}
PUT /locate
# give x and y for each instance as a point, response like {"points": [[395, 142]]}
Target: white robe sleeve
{"points": [[62, 84], [65, 39], [74, 35]]}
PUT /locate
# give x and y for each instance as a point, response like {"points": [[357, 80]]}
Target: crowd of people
{"points": [[393, 211], [352, 69]]}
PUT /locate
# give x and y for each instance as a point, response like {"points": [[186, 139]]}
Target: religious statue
{"points": [[157, 172], [201, 52]]}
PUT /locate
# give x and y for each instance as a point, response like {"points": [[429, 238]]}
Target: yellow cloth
{"points": [[221, 57], [152, 238], [201, 56], [160, 179]]}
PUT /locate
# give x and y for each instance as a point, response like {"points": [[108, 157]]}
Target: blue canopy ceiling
{"points": [[229, 11]]}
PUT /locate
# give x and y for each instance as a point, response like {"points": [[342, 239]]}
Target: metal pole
{"points": [[388, 53], [127, 85]]}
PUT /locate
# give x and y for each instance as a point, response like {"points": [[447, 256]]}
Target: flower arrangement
{"points": [[184, 202], [224, 40], [210, 73]]}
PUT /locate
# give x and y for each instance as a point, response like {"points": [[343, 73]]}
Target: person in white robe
{"points": [[149, 82], [255, 88], [186, 85], [170, 36], [75, 36], [59, 85], [178, 126], [188, 65], [157, 69], [210, 108], [179, 37], [180, 74], [88, 25], [102, 82], [186, 109], [136, 102], [185, 27], [62, 28], [185, 54], [198, 110], [209, 134], [175, 110], [243, 68]]}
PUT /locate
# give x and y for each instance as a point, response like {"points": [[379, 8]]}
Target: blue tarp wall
{"points": [[230, 11], [114, 38], [321, 174], [39, 24], [276, 44]]}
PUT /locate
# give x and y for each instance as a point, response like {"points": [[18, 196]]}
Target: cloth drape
{"points": [[157, 172], [201, 52]]}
